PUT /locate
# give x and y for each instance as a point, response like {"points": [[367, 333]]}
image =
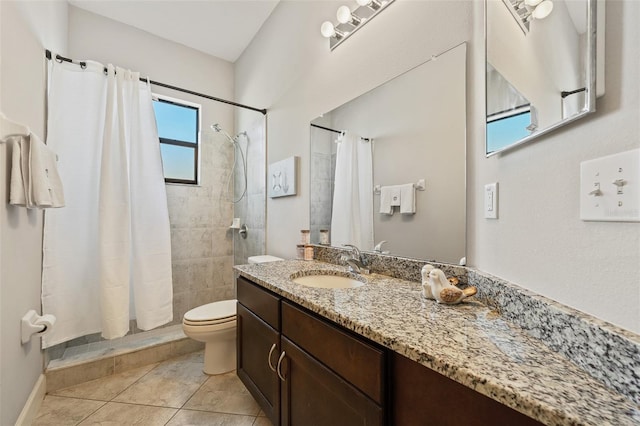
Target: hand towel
{"points": [[386, 193], [35, 182], [396, 195], [17, 190], [407, 199]]}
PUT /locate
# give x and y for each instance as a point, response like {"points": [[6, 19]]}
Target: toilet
{"points": [[215, 325]]}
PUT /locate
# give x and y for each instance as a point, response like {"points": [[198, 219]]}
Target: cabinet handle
{"points": [[279, 364], [269, 358]]}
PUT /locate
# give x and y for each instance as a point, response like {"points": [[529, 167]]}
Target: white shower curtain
{"points": [[107, 254], [352, 213]]}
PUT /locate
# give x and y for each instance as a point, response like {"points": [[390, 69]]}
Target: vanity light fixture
{"points": [[349, 21], [524, 11], [373, 4], [345, 16], [542, 10], [329, 31]]}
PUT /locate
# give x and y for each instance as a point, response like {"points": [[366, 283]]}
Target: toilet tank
{"points": [[263, 258]]}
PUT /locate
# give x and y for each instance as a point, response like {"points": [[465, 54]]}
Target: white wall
{"points": [[27, 28], [539, 241]]}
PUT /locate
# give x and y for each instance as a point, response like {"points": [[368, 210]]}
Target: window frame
{"points": [[174, 142]]}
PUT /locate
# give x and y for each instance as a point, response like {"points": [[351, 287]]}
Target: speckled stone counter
{"points": [[470, 343]]}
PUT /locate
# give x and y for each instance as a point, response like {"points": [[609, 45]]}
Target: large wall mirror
{"points": [[541, 66], [403, 139]]}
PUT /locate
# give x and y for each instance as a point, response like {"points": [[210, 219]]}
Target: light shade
{"points": [[532, 3], [543, 9], [344, 14], [327, 29], [373, 4]]}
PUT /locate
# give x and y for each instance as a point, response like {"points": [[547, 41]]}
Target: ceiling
{"points": [[221, 28]]}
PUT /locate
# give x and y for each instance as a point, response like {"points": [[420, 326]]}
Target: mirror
{"points": [[410, 130], [540, 70]]}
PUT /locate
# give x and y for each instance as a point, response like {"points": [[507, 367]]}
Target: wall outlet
{"points": [[491, 201]]}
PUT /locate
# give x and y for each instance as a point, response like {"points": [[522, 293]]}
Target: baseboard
{"points": [[34, 402]]}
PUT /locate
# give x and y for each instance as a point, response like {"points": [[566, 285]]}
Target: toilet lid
{"points": [[212, 311]]}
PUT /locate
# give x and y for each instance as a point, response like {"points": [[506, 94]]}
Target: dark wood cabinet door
{"points": [[256, 341], [421, 396], [313, 395]]}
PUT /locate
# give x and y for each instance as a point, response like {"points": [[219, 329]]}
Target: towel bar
{"points": [[420, 186]]}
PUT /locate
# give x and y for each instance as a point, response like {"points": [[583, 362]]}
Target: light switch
{"points": [[610, 188], [491, 201]]}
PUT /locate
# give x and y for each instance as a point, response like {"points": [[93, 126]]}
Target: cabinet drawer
{"points": [[260, 301], [356, 361]]}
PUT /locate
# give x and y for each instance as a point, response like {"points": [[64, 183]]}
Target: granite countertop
{"points": [[469, 343]]}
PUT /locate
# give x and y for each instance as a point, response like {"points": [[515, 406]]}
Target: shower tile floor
{"points": [[173, 392]]}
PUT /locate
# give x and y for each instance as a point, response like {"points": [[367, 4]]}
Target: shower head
{"points": [[216, 128]]}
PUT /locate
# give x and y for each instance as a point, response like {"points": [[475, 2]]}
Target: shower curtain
{"points": [[352, 213], [107, 254]]}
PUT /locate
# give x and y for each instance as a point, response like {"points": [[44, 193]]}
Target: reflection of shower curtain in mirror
{"points": [[109, 249], [352, 215]]}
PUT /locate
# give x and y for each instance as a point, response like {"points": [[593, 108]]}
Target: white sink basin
{"points": [[319, 279]]}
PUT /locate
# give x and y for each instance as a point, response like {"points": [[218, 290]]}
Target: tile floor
{"points": [[173, 392]]}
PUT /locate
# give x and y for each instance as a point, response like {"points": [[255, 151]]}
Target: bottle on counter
{"points": [[305, 236], [308, 252], [324, 237], [300, 251]]}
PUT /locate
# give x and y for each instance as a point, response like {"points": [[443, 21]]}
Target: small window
{"points": [[179, 131]]}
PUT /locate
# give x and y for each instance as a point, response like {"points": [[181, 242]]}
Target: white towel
{"points": [[387, 194], [35, 182], [407, 199]]}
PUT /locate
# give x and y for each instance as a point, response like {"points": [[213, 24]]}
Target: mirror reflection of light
{"points": [[543, 9]]}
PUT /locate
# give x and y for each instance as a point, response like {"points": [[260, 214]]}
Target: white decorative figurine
{"points": [[426, 284], [444, 292]]}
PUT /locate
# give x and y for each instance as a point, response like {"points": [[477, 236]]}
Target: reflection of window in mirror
{"points": [[504, 128]]}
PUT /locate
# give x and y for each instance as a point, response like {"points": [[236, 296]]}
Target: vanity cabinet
{"points": [[258, 345], [330, 376], [421, 396], [304, 370]]}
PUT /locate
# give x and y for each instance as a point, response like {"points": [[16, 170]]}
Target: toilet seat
{"points": [[216, 313]]}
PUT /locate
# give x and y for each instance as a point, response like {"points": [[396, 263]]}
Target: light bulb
{"points": [[344, 14], [373, 4], [327, 29], [543, 9]]}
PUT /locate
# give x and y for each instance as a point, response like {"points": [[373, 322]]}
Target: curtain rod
{"points": [[83, 65], [335, 131], [564, 94], [326, 128]]}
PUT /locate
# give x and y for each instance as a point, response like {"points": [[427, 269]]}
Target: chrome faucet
{"points": [[355, 260], [378, 247]]}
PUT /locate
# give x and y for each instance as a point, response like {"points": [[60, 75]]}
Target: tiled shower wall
{"points": [[323, 160], [201, 241], [251, 209]]}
